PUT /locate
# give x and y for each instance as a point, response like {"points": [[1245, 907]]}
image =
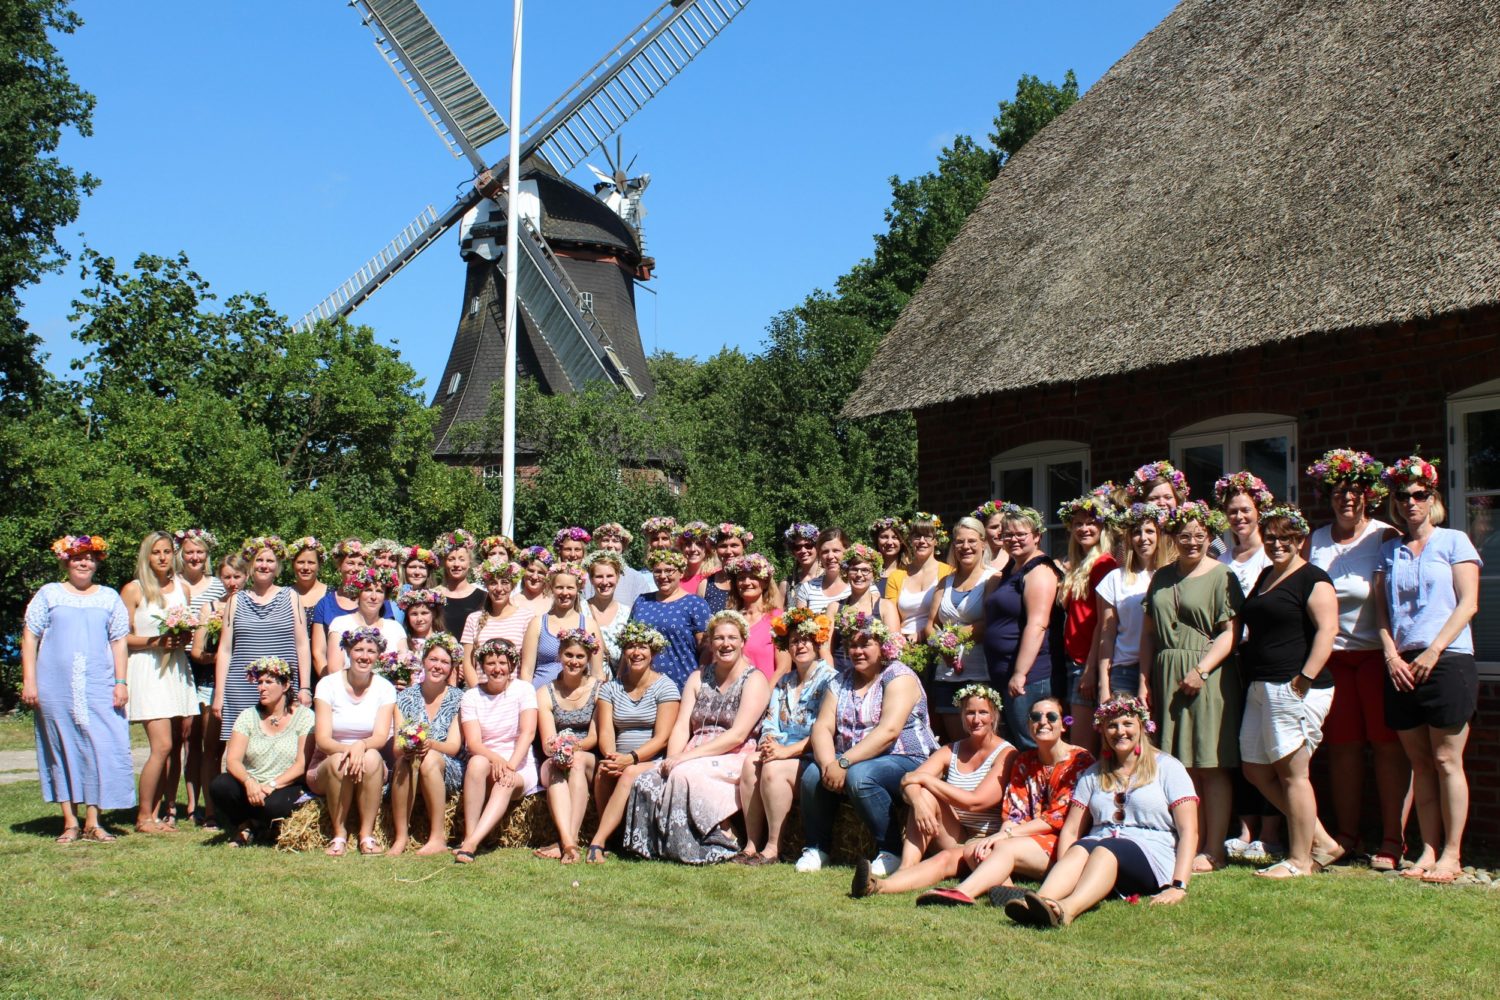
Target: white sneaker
{"points": [[812, 860], [884, 865], [1235, 847]]}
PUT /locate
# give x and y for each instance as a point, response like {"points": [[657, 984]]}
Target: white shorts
{"points": [[1278, 723]]}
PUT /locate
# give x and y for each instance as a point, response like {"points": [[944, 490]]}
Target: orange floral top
{"points": [[1044, 791]]}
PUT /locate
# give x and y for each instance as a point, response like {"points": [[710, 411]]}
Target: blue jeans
{"points": [[873, 787], [1015, 711], [1124, 680]]}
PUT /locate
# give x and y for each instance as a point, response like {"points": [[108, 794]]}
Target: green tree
{"points": [[1035, 106], [38, 103]]}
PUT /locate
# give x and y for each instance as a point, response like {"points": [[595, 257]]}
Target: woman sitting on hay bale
{"points": [[499, 722], [428, 744], [565, 713], [267, 757]]}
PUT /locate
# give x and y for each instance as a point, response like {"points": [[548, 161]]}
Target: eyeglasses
{"points": [[1420, 496], [1014, 536], [1120, 807], [1049, 716], [1280, 539]]}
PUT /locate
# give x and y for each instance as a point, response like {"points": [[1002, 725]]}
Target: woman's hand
{"points": [[1423, 666], [1192, 683], [1087, 686], [30, 694], [665, 767], [925, 815], [834, 778], [1168, 897], [1017, 685], [615, 763], [1402, 676], [1299, 686], [122, 695], [255, 793], [218, 704], [175, 641], [501, 772], [304, 698], [550, 746]]}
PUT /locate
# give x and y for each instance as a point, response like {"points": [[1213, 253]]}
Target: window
{"points": [[1473, 497], [453, 382], [586, 301], [493, 472], [1262, 443], [1043, 475], [474, 306]]}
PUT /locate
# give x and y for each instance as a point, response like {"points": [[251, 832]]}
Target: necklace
{"points": [[277, 720]]}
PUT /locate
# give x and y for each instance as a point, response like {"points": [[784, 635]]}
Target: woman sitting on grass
{"points": [[565, 714], [1144, 816], [499, 722], [267, 757], [429, 760], [355, 707]]}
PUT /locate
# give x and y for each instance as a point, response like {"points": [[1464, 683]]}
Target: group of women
{"points": [[988, 716]]}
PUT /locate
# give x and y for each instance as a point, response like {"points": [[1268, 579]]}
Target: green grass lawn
{"points": [[181, 916], [17, 732]]}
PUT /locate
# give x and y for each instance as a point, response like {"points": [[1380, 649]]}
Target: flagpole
{"points": [[512, 248]]}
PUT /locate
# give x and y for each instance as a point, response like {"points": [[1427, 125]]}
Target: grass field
{"points": [[182, 916]]}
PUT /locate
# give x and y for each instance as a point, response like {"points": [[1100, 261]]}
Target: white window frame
{"points": [[1035, 458], [1475, 399], [586, 301], [492, 472], [454, 382], [1231, 432]]}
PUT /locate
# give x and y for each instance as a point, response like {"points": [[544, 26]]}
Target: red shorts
{"points": [[1358, 712]]}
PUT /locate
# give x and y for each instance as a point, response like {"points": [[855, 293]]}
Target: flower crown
{"points": [[458, 538], [1107, 491], [1247, 483], [753, 565], [1141, 479], [598, 556], [800, 531], [443, 640], [1096, 508], [370, 578], [496, 647], [1137, 513], [202, 536], [571, 534], [494, 569], [582, 637], [73, 546], [503, 542], [421, 595], [613, 529], [726, 531], [803, 622], [536, 553], [1116, 707], [418, 554], [389, 546], [857, 553], [730, 616], [251, 546], [1408, 470], [984, 691], [887, 524], [557, 569], [1292, 514], [656, 525], [1016, 512], [693, 531], [638, 633], [989, 509], [365, 633], [1345, 465], [1197, 510], [348, 547], [853, 624], [268, 666], [922, 520], [666, 557], [305, 543]]}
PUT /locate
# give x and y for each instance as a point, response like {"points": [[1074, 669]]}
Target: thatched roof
{"points": [[1250, 172]]}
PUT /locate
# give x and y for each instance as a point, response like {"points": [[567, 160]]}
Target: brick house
{"points": [[1270, 229]]}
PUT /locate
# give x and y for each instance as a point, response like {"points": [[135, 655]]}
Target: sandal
{"points": [[98, 835], [1055, 915], [463, 857], [336, 847], [570, 856], [1323, 860], [1441, 877], [1387, 861], [945, 897], [1003, 894], [597, 854], [369, 846], [763, 859], [1204, 859], [1292, 871], [70, 835], [741, 858], [1415, 872]]}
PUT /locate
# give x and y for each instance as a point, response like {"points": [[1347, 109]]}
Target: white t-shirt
{"points": [[1248, 570], [1352, 567], [354, 719], [394, 634], [1128, 600]]}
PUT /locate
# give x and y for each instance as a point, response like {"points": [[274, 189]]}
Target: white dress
{"points": [[161, 683], [973, 665]]}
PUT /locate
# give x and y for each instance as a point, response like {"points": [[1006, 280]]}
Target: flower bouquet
{"points": [[412, 737], [400, 668], [213, 623], [176, 621], [918, 656], [562, 750], [951, 641]]}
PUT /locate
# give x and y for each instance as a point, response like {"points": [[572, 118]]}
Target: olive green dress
{"points": [[1202, 730]]}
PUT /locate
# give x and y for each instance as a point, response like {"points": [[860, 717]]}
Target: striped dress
{"points": [[258, 630], [975, 824]]}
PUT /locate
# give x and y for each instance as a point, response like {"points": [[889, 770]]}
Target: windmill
{"points": [[567, 335]]}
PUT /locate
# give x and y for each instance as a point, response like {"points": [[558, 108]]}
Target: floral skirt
{"points": [[681, 817]]}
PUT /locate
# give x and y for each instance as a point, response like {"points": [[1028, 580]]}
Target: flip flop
{"points": [[597, 855], [1415, 872], [1018, 911], [1386, 861], [945, 897], [1440, 878], [1323, 860], [69, 836], [1292, 871], [99, 835], [463, 857], [336, 847], [1055, 915], [1038, 913], [551, 852], [369, 846]]}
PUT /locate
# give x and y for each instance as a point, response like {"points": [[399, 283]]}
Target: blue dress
{"points": [[679, 621], [716, 599], [549, 653], [413, 708], [82, 740]]}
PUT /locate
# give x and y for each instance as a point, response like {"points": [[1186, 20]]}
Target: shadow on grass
{"points": [[115, 821]]}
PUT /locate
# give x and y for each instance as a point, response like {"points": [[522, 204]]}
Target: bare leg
{"points": [[1418, 744], [336, 794], [369, 793], [1217, 794], [580, 777], [1096, 881], [1081, 732], [613, 810], [1014, 856], [70, 816], [173, 778], [754, 808], [153, 772], [192, 769], [1453, 792], [918, 844], [435, 798], [778, 790], [928, 872], [559, 803], [403, 798], [476, 787], [1063, 877], [498, 801], [1393, 782]]}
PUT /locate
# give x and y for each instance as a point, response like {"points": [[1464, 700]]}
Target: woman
{"points": [[348, 559], [1428, 588], [1089, 562], [435, 761], [680, 810], [499, 618], [958, 599], [633, 718], [888, 536], [768, 781], [571, 544], [307, 555], [1121, 599], [692, 542], [565, 716], [455, 551], [82, 735], [991, 514], [605, 570], [1290, 618], [729, 542], [1187, 650], [753, 579], [266, 759], [499, 723], [194, 547], [612, 537], [370, 588], [355, 708], [422, 613], [1144, 819], [261, 620], [1038, 794], [817, 592], [385, 554], [1348, 550], [659, 532], [1020, 612], [1158, 483], [678, 615], [567, 614], [860, 566], [205, 750], [418, 568], [498, 547], [802, 545], [163, 695], [536, 562], [872, 730], [911, 583]]}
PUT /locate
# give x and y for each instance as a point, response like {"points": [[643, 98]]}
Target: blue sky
{"points": [[270, 142]]}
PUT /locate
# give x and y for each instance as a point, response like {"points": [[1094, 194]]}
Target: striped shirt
{"points": [[975, 824], [635, 721]]}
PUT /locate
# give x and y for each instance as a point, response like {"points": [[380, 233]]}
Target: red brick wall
{"points": [[1382, 390]]}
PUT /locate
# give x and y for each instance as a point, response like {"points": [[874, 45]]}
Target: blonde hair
{"points": [[974, 525], [1438, 515], [1110, 778], [144, 577], [1075, 582]]}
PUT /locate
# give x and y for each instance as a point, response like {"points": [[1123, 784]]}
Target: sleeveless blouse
{"points": [[549, 651], [574, 720], [856, 715], [985, 822], [1005, 612], [963, 607], [258, 630]]}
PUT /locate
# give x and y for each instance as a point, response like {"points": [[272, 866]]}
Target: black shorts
{"points": [[1134, 876], [1446, 700]]}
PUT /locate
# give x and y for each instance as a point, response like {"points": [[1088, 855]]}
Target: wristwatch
{"points": [[1179, 884], [842, 761]]}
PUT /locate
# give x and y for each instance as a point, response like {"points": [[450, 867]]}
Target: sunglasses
{"points": [[804, 545], [1420, 496], [1119, 807], [1280, 539], [1048, 716]]}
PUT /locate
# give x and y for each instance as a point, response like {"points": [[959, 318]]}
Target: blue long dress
{"points": [[82, 740]]}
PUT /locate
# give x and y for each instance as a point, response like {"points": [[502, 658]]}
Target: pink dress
{"points": [[760, 646]]}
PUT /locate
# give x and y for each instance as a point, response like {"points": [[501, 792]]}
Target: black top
{"points": [[458, 609], [1280, 628]]}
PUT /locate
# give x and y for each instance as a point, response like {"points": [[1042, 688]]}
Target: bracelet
{"points": [[121, 682], [635, 758]]}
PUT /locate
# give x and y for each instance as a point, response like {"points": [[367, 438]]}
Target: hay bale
{"points": [[851, 839], [527, 823]]}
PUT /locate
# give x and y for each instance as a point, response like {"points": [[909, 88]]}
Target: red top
{"points": [[1082, 617]]}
